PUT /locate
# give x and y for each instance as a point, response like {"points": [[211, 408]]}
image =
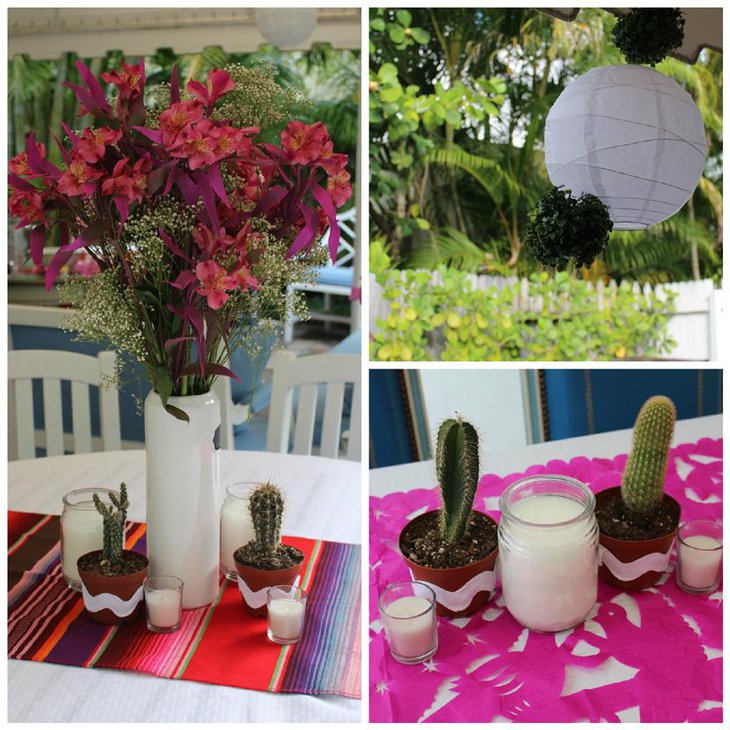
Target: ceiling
{"points": [[702, 28], [46, 33]]}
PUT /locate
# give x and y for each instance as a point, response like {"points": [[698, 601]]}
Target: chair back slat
{"points": [[25, 433], [354, 446], [109, 402], [332, 423], [81, 418], [53, 416], [306, 412]]}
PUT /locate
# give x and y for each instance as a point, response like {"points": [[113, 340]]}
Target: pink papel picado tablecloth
{"points": [[649, 656]]}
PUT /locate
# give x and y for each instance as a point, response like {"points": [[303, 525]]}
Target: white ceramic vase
{"points": [[182, 502]]}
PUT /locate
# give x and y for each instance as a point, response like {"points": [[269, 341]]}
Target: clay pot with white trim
{"points": [[253, 583], [451, 580], [633, 565], [112, 599]]}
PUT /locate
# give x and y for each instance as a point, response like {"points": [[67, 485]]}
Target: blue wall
{"points": [[389, 440]]}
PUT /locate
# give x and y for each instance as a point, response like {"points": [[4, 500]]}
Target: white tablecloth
{"points": [[323, 501], [421, 474]]}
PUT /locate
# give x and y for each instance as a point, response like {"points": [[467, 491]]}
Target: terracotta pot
{"points": [[627, 551], [452, 579], [123, 587], [257, 579]]}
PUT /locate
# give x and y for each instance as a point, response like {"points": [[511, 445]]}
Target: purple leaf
{"points": [[184, 280], [158, 176], [325, 201], [64, 152], [187, 187], [173, 246], [19, 184], [273, 197], [154, 134], [214, 177], [60, 258], [123, 207], [37, 239], [306, 235], [88, 101], [210, 368], [175, 341], [206, 191], [174, 86], [97, 92]]}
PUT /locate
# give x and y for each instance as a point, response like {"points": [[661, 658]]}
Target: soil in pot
{"points": [[616, 521], [286, 556], [422, 543], [130, 564]]}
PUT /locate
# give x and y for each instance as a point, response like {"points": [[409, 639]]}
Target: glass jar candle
{"points": [[236, 525], [699, 556], [548, 552], [81, 530]]}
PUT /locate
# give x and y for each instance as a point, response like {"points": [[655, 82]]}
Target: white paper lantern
{"points": [[631, 136], [286, 27]]}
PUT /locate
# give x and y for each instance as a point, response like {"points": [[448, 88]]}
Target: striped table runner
{"points": [[219, 644]]}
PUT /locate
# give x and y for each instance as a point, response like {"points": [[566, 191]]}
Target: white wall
{"points": [[492, 401]]}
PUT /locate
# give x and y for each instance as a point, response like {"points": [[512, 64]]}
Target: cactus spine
{"points": [[266, 505], [642, 487], [114, 523], [457, 470]]}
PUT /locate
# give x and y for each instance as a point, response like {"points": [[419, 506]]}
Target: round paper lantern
{"points": [[630, 136], [286, 27]]}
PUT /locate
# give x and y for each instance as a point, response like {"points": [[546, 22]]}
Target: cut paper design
{"points": [[118, 606], [615, 667]]}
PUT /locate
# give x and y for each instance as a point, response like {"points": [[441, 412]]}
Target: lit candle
{"points": [[163, 608], [236, 526], [285, 608], [699, 556], [548, 556]]}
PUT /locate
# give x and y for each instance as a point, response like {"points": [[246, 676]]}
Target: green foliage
{"points": [[450, 320], [562, 228], [114, 523], [457, 471], [642, 487], [647, 35], [266, 505]]}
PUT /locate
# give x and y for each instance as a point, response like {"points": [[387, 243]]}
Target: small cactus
{"points": [[642, 487], [266, 505], [457, 470], [114, 524]]}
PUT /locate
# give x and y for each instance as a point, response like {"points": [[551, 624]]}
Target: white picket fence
{"points": [[693, 326]]}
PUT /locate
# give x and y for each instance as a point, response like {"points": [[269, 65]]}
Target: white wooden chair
{"points": [[53, 366], [307, 374]]}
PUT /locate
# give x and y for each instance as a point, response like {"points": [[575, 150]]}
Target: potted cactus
{"points": [[454, 548], [112, 578], [264, 561], [638, 521]]}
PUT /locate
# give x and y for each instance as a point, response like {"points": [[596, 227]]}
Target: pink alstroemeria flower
{"points": [[217, 84], [19, 164], [244, 278], [177, 119], [332, 162], [91, 145], [215, 283], [199, 145], [209, 241], [303, 143], [231, 141], [339, 188], [79, 179], [26, 206], [129, 80], [121, 182]]}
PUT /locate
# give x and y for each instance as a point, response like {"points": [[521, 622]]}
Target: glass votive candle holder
{"points": [[163, 601], [236, 525], [81, 530], [285, 606], [408, 611], [699, 556]]}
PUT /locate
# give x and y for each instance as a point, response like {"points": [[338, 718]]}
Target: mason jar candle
{"points": [[699, 556], [236, 525], [548, 552], [81, 530]]}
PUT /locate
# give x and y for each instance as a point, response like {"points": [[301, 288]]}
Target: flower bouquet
{"points": [[197, 215], [195, 223]]}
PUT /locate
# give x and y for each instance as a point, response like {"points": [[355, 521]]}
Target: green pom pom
{"points": [[561, 228], [648, 35]]}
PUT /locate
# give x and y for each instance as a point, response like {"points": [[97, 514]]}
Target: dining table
{"points": [[639, 656], [323, 501]]}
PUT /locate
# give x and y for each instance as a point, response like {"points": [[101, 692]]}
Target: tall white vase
{"points": [[182, 506]]}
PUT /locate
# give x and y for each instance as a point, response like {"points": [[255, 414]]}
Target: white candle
{"points": [[700, 560], [286, 618], [236, 530], [81, 532], [163, 607], [410, 623], [549, 571]]}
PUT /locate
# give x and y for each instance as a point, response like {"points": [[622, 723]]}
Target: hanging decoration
{"points": [[286, 27], [648, 35], [632, 137]]}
